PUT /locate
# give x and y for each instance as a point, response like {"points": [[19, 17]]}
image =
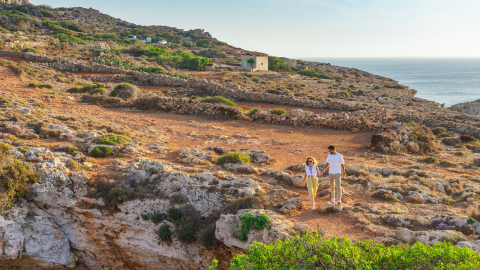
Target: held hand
{"points": [[343, 175], [303, 183]]}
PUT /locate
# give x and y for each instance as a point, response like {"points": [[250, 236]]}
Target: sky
{"points": [[314, 28]]}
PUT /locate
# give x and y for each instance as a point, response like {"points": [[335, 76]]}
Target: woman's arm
{"points": [[304, 179]]}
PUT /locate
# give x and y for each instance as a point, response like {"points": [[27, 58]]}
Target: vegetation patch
{"points": [[313, 252], [125, 91], [112, 139], [235, 157], [251, 222], [278, 111], [101, 151], [218, 100], [313, 74], [66, 148], [165, 233]]}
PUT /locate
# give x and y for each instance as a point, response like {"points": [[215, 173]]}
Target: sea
{"points": [[444, 80]]}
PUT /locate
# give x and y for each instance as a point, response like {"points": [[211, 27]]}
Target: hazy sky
{"points": [[315, 28]]}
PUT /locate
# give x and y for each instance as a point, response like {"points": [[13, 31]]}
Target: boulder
{"points": [[292, 206], [60, 127], [227, 230], [300, 227], [473, 245], [413, 147], [331, 207], [429, 238]]}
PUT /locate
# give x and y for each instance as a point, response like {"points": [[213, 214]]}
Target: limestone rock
{"points": [[413, 147], [300, 226], [60, 127], [227, 230], [428, 237], [331, 207], [473, 245], [292, 206]]}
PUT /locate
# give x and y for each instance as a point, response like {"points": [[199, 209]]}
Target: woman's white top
{"points": [[314, 170]]}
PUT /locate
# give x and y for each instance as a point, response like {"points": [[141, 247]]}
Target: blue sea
{"points": [[444, 80]]}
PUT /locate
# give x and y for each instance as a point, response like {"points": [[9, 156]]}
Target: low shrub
{"points": [[431, 160], [253, 111], [468, 138], [451, 141], [158, 217], [112, 139], [439, 130], [470, 220], [313, 252], [125, 91], [247, 202], [100, 91], [218, 100], [235, 157], [66, 148], [178, 198], [38, 85], [101, 100], [185, 230], [5, 148], [101, 151], [14, 178], [207, 235], [278, 111], [165, 233], [251, 222], [23, 148], [174, 213]]}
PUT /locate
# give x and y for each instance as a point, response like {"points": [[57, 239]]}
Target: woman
{"points": [[311, 179]]}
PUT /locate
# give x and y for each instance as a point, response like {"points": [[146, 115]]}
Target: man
{"points": [[335, 164]]}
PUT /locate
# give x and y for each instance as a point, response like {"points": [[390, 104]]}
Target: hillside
{"points": [[121, 154]]}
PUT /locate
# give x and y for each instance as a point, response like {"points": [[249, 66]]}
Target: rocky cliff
{"points": [[472, 108]]}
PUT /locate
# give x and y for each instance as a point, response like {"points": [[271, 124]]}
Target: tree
{"points": [[198, 63], [251, 61]]}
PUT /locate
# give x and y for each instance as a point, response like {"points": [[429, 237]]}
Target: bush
{"points": [[471, 220], [174, 213], [248, 202], [236, 157], [451, 141], [112, 139], [158, 217], [100, 91], [101, 151], [207, 235], [253, 111], [312, 252], [206, 43], [276, 64], [212, 53], [218, 100], [251, 222], [468, 138], [188, 44], [185, 230], [439, 130], [86, 88], [165, 233], [14, 178], [313, 74], [278, 111], [66, 148], [125, 91], [431, 160], [5, 148], [46, 13], [178, 198]]}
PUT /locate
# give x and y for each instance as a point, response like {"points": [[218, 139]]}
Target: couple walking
{"points": [[335, 164]]}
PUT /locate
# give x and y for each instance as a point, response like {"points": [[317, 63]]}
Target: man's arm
{"points": [[343, 169]]}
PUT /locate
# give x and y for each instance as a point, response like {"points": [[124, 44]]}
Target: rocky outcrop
{"points": [[15, 2], [227, 229], [472, 108]]}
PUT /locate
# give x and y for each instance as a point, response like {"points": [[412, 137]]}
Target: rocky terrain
{"points": [[137, 162]]}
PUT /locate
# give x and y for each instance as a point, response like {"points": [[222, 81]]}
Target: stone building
{"points": [[261, 63]]}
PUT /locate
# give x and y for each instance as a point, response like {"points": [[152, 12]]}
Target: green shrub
{"points": [[218, 100], [206, 43], [112, 139], [125, 91], [48, 86], [14, 178], [257, 80], [312, 74], [345, 93], [46, 13], [101, 151], [66, 148], [236, 157], [207, 235], [165, 233], [471, 220], [174, 213], [212, 53], [468, 138], [115, 192], [253, 111], [23, 149], [431, 160], [86, 88], [439, 130], [5, 148], [278, 111], [188, 44], [313, 252], [178, 198], [277, 64], [185, 230], [157, 217], [251, 222], [100, 91]]}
